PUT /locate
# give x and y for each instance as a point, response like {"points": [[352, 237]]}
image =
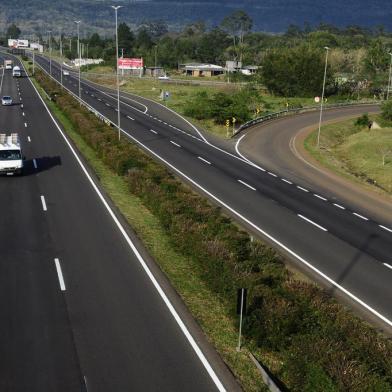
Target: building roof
{"points": [[202, 67]]}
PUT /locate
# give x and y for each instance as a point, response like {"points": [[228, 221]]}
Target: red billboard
{"points": [[125, 63]]}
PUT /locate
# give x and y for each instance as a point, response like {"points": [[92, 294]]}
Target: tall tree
{"points": [[237, 25], [13, 31], [126, 39]]}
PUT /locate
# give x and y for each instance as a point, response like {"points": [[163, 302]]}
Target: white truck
{"points": [[16, 73], [8, 64], [11, 158]]}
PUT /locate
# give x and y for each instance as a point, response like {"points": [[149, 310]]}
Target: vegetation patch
{"points": [[350, 148], [309, 341]]}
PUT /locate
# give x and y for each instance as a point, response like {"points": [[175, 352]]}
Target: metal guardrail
{"points": [[284, 113]]}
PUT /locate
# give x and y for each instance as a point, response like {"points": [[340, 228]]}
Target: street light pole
{"points": [[50, 52], [116, 8], [80, 60], [322, 96], [156, 61], [390, 76], [61, 59]]}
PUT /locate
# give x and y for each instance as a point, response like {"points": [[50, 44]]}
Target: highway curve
{"points": [[338, 244], [278, 145]]}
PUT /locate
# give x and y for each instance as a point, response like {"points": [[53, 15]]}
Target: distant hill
{"points": [[268, 15]]}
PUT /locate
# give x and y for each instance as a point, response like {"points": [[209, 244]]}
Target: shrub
{"points": [[362, 121], [386, 111]]}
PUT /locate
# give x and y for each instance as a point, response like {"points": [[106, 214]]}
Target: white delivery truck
{"points": [[8, 64], [11, 158], [16, 73]]}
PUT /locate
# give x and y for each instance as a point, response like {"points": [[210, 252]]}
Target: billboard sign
{"points": [[18, 43], [126, 63]]}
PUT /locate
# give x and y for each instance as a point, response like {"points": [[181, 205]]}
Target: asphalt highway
{"points": [[80, 310], [346, 249]]}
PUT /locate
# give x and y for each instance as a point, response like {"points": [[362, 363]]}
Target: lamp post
{"points": [[322, 96], [116, 8], [390, 76], [156, 61], [61, 58], [80, 60], [50, 52]]}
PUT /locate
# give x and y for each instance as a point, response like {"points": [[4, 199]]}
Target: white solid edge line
{"points": [[388, 266], [43, 203], [311, 222], [339, 206], [176, 144], [320, 197], [160, 291], [257, 228], [360, 216], [247, 185], [302, 189], [204, 160], [60, 274], [35, 163], [385, 228], [242, 157]]}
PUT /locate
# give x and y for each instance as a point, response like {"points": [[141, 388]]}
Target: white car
{"points": [[65, 72], [11, 158], [6, 100], [164, 77]]}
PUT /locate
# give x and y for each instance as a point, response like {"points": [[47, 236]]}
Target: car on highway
{"points": [[6, 100], [65, 72], [164, 77], [11, 158]]}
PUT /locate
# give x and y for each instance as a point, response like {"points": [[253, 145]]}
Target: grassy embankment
{"points": [[356, 153], [308, 340]]}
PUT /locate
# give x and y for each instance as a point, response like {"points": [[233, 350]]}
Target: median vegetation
{"points": [[310, 342], [356, 151]]}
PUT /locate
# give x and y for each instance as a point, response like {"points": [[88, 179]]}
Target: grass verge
{"points": [[356, 153], [212, 313]]}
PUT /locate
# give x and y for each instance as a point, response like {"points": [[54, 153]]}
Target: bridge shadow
{"points": [[42, 164]]}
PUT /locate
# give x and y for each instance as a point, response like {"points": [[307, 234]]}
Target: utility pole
{"points": [[156, 61], [116, 8], [50, 52], [322, 96], [61, 59], [80, 59], [390, 76]]}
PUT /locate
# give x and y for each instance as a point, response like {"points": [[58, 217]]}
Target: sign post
{"points": [[227, 128], [241, 309], [234, 121]]}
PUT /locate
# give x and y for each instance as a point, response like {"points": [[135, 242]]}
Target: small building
{"points": [[250, 70], [233, 66], [154, 72], [201, 70]]}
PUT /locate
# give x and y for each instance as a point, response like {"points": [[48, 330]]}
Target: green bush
{"points": [[386, 111], [362, 121]]}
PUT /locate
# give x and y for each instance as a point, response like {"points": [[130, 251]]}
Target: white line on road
{"points": [[320, 197], [21, 105], [23, 113], [302, 189], [286, 181], [388, 266], [386, 228], [204, 160], [60, 274], [360, 216], [176, 144], [151, 130], [313, 223], [107, 105], [339, 206], [131, 118], [35, 164], [25, 125], [43, 203], [272, 174], [28, 139], [247, 185]]}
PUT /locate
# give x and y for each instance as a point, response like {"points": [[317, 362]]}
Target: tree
{"points": [[13, 31], [377, 58], [237, 25], [297, 71], [125, 39], [155, 28]]}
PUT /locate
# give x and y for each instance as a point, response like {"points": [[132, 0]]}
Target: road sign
{"points": [[317, 99], [227, 123], [234, 120]]}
